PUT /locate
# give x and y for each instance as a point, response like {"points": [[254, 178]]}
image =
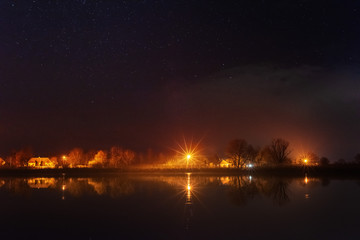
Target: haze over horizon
{"points": [[143, 74]]}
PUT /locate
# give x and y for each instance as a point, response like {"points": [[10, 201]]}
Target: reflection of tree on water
{"points": [[76, 187], [241, 189], [113, 187], [18, 186], [245, 188], [278, 190]]}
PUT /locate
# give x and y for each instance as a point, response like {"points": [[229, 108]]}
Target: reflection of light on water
{"points": [[188, 192], [306, 180], [41, 182], [250, 177], [2, 183], [63, 187], [188, 203], [224, 180]]}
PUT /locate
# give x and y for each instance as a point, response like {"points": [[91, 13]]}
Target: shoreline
{"points": [[347, 171]]}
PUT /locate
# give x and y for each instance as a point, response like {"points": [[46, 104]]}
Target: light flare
{"points": [[188, 153]]}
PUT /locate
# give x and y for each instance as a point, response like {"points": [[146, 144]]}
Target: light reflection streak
{"points": [[188, 203]]}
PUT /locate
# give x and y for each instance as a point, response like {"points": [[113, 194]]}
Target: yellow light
{"points": [[188, 156], [306, 180], [63, 187], [305, 160], [189, 187], [64, 157]]}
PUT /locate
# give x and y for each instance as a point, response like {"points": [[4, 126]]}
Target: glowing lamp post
{"points": [[188, 157]]}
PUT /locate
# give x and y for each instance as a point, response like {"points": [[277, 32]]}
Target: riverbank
{"points": [[345, 171]]}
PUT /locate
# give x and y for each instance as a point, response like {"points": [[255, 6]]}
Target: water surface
{"points": [[182, 206]]}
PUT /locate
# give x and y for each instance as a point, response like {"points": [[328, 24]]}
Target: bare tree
{"points": [[20, 158], [115, 156], [279, 151], [313, 158], [128, 157], [236, 151], [251, 154], [75, 157], [121, 157], [263, 157]]}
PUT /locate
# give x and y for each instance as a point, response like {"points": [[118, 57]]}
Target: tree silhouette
{"points": [[279, 151], [263, 157], [357, 158], [236, 151], [324, 161], [251, 153], [120, 157], [20, 158], [340, 161], [75, 157]]}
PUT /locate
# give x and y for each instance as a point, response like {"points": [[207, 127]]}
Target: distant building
{"points": [[225, 164], [41, 162]]}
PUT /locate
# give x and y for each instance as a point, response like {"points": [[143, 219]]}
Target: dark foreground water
{"points": [[183, 206]]}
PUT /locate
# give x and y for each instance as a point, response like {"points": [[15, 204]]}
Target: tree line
{"points": [[115, 157], [240, 153]]}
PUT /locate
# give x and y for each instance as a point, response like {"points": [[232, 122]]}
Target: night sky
{"points": [[143, 74]]}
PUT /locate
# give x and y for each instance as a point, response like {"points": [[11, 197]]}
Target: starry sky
{"points": [[144, 74]]}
